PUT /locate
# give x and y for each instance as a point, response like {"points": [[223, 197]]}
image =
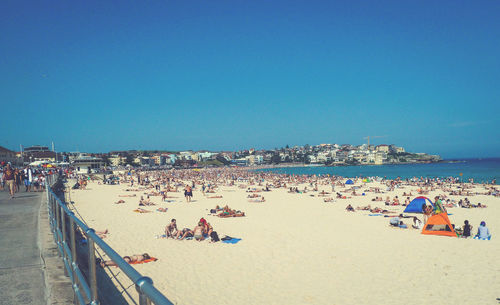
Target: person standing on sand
{"points": [[438, 206], [8, 176], [188, 193]]}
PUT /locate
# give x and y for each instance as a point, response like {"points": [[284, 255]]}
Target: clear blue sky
{"points": [[227, 75]]}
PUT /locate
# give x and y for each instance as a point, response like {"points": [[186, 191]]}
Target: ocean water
{"points": [[481, 170]]}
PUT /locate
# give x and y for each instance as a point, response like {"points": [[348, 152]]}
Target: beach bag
{"points": [[214, 236], [213, 211]]}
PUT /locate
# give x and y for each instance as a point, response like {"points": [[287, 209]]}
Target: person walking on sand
{"points": [[8, 176], [188, 193]]}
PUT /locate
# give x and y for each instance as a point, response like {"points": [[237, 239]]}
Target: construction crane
{"points": [[373, 137]]}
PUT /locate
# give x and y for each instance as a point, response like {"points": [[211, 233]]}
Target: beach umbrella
{"points": [[349, 182]]}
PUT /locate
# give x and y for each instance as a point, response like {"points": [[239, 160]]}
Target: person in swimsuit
{"points": [[186, 232], [129, 259], [171, 229], [198, 231], [188, 193]]}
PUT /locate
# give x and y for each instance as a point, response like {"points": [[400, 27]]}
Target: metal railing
{"points": [[85, 290]]}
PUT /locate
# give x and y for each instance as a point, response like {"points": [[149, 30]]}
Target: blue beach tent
{"points": [[349, 182], [415, 205]]}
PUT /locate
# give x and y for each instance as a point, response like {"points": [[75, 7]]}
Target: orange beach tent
{"points": [[439, 224]]}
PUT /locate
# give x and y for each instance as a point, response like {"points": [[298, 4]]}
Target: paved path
{"points": [[21, 268]]}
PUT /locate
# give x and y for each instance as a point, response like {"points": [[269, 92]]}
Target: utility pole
{"points": [[53, 150]]}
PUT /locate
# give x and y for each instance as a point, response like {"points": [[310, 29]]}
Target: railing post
{"points": [[73, 264], [58, 224], [92, 269], [52, 217], [143, 299], [64, 238]]}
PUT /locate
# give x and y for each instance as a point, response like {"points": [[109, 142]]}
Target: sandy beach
{"points": [[297, 249]]}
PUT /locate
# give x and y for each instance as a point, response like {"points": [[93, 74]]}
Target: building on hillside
{"points": [[206, 155], [382, 148], [116, 160], [239, 162], [157, 159], [144, 161], [254, 159], [171, 159], [380, 157]]}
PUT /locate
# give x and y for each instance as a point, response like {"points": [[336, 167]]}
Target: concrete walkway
{"points": [[23, 278]]}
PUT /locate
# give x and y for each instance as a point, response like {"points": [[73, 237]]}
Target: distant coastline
{"points": [[467, 170], [287, 165]]}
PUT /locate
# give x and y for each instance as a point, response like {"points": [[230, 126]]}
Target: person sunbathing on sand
{"points": [[329, 199], [479, 205], [129, 259], [365, 208], [262, 199], [396, 222], [120, 201], [127, 195], [349, 208], [186, 232], [231, 213], [379, 210]]}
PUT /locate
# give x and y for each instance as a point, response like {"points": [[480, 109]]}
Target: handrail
{"points": [[58, 212]]}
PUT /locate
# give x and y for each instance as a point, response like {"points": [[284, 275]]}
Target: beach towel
{"points": [[152, 259], [230, 240], [375, 214], [478, 238]]}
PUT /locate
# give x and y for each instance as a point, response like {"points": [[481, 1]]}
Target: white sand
{"points": [[296, 249]]}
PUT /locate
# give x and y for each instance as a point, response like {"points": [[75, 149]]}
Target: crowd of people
{"points": [[14, 179], [203, 230]]}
